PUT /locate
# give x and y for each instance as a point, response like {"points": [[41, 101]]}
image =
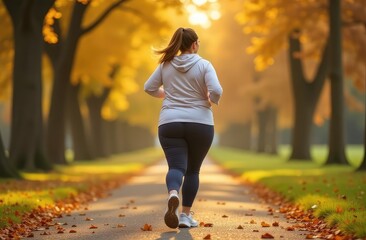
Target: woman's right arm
{"points": [[213, 85]]}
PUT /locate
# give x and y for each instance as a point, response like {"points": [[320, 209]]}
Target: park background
{"points": [[293, 74]]}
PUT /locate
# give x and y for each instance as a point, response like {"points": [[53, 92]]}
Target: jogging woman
{"points": [[188, 84]]}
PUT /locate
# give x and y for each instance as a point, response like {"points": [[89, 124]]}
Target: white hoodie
{"points": [[188, 80]]}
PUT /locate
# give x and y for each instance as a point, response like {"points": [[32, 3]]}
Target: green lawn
{"points": [[43, 189], [336, 193]]}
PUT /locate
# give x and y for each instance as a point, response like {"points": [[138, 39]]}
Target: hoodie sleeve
{"points": [[155, 81], [213, 84]]}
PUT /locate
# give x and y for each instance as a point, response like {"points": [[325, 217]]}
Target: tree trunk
{"points": [[272, 131], [262, 123], [62, 73], [6, 170], [107, 137], [113, 137], [80, 143], [362, 167], [336, 132], [306, 95], [97, 124], [26, 143], [56, 119], [247, 135]]}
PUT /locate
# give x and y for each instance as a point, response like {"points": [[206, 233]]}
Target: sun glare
{"points": [[202, 16], [199, 18], [199, 2]]}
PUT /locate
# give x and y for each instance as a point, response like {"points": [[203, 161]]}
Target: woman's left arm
{"points": [[153, 86]]}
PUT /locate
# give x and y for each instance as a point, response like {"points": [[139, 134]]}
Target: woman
{"points": [[188, 84]]}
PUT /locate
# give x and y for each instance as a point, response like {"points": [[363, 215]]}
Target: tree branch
{"points": [[353, 23], [322, 70], [102, 17], [132, 10]]}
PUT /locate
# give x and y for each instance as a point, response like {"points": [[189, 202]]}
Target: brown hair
{"points": [[181, 41]]}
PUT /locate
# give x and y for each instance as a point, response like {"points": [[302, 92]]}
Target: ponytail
{"points": [[181, 41]]}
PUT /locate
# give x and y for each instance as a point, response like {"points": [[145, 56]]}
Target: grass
{"points": [[42, 189], [336, 193]]}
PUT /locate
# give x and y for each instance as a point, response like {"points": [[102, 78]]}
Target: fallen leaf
{"points": [[339, 209], [72, 231], [267, 235], [264, 224], [275, 224], [93, 227], [252, 222], [290, 229], [146, 227], [310, 236], [89, 219], [121, 215], [121, 225], [240, 227], [255, 230], [208, 236], [30, 235], [202, 224], [208, 224], [249, 214], [224, 216]]}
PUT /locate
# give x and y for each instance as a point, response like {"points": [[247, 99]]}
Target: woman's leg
{"points": [[199, 139], [171, 137]]}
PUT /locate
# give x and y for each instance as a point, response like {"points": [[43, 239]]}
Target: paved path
{"points": [[143, 200]]}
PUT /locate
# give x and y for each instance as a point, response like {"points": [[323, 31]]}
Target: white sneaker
{"points": [[171, 215], [187, 221]]}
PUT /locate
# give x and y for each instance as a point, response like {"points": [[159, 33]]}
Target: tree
{"points": [[305, 94], [362, 167], [336, 138], [271, 23], [26, 144], [6, 170], [56, 120], [66, 72]]}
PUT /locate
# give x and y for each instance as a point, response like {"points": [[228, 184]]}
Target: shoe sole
{"points": [[171, 218], [183, 225]]}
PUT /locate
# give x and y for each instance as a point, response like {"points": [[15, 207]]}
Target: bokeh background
{"points": [[72, 75]]}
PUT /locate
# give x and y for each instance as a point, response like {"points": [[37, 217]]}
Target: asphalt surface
{"points": [[221, 201]]}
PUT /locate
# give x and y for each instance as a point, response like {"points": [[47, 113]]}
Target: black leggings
{"points": [[185, 146]]}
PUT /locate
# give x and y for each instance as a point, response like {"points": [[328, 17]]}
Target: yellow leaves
{"points": [[49, 35], [273, 21], [272, 13], [262, 62]]}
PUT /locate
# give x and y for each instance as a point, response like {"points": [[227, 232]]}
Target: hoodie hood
{"points": [[184, 62]]}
